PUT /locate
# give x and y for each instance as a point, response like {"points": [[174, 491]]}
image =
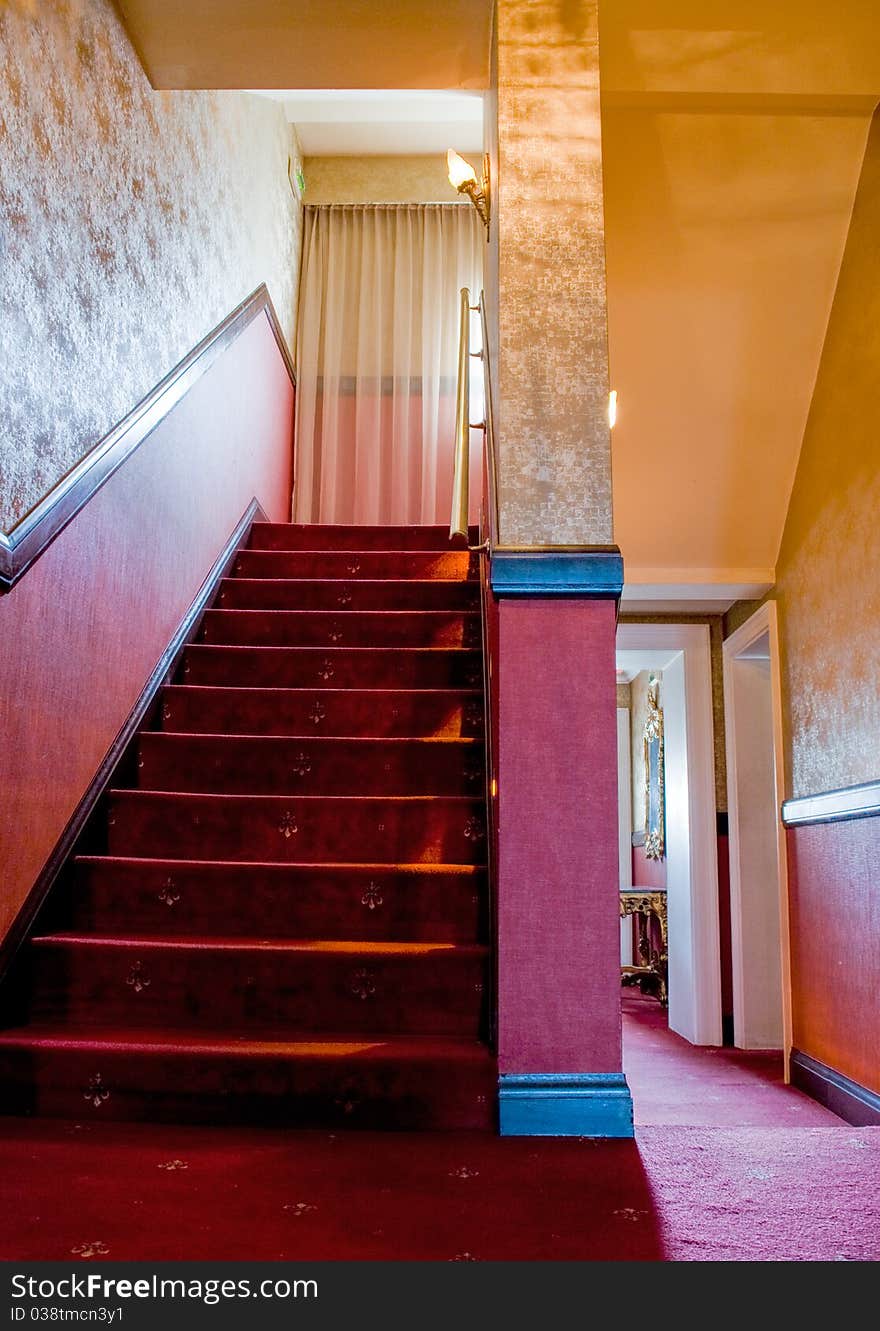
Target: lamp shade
{"points": [[460, 171]]}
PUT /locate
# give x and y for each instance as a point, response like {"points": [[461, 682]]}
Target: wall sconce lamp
{"points": [[463, 176]]}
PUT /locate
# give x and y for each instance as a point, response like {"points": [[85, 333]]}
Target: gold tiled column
{"points": [[546, 279]]}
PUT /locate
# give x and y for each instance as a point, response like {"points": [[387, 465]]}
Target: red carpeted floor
{"points": [[761, 1174], [136, 1191], [674, 1082]]}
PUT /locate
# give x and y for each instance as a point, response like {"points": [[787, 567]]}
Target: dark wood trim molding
{"points": [[165, 667], [853, 1103], [594, 573], [34, 532], [833, 806]]}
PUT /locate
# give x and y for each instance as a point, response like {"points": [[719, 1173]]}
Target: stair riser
{"points": [[297, 830], [436, 993], [350, 596], [273, 766], [214, 1088], [341, 712], [285, 536], [360, 668], [347, 628], [368, 903], [454, 566]]}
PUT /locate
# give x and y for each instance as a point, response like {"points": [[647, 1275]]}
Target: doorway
{"points": [[680, 655], [758, 877]]}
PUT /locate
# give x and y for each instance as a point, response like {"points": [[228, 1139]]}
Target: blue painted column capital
{"points": [[594, 573]]}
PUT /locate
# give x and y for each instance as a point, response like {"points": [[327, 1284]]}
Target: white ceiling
{"points": [[631, 661], [345, 122]]}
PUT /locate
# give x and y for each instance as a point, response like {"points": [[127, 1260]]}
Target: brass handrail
{"points": [[490, 535], [458, 523]]}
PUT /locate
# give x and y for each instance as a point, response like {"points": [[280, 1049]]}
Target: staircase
{"points": [[287, 922]]}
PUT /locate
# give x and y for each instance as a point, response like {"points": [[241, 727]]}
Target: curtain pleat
{"points": [[377, 356]]}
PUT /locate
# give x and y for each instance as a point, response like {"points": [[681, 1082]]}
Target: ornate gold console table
{"points": [[645, 902]]}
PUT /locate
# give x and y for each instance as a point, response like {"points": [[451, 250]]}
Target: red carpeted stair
{"points": [[287, 923]]}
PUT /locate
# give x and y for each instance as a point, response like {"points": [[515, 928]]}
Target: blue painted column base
{"points": [[564, 1104]]}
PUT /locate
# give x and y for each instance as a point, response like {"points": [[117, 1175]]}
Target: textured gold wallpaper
{"points": [[131, 223], [416, 179], [552, 432], [828, 575]]}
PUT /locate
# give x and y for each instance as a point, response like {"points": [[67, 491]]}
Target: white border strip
{"points": [[834, 805]]}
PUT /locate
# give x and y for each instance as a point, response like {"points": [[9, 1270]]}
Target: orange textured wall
{"points": [[85, 627], [829, 602], [828, 573], [835, 941]]}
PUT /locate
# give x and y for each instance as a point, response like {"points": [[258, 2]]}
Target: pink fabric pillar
{"points": [[557, 872]]}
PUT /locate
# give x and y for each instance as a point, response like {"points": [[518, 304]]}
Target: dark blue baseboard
{"points": [[850, 1101], [564, 1104]]}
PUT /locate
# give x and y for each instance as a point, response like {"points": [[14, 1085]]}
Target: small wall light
{"points": [[463, 176], [612, 409]]}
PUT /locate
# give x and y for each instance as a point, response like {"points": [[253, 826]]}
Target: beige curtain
{"points": [[377, 348]]}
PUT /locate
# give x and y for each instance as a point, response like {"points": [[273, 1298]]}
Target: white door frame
{"points": [[683, 653], [624, 825], [763, 621]]}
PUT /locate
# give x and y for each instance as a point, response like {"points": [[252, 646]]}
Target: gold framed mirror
{"points": [[655, 802]]}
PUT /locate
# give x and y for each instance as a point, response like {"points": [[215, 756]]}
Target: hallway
{"points": [[674, 1082]]}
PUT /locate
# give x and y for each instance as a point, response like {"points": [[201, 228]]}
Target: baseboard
{"points": [[564, 1104], [64, 847], [853, 1103]]}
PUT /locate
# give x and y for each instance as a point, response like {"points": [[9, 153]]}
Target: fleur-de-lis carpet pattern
{"points": [[286, 921]]}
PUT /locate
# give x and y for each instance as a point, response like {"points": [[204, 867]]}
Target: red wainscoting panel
{"points": [[84, 628], [557, 872], [724, 937], [647, 873], [835, 945]]}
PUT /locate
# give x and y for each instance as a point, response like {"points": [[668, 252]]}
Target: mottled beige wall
{"points": [[379, 180], [624, 696], [549, 291], [131, 223], [828, 574]]}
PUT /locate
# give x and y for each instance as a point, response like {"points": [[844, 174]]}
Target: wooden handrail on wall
{"points": [[35, 531]]}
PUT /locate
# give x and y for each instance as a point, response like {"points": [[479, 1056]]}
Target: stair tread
{"points": [[455, 689], [339, 613], [218, 943], [242, 578], [220, 736], [185, 1040], [306, 552], [140, 795], [397, 648], [280, 867]]}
